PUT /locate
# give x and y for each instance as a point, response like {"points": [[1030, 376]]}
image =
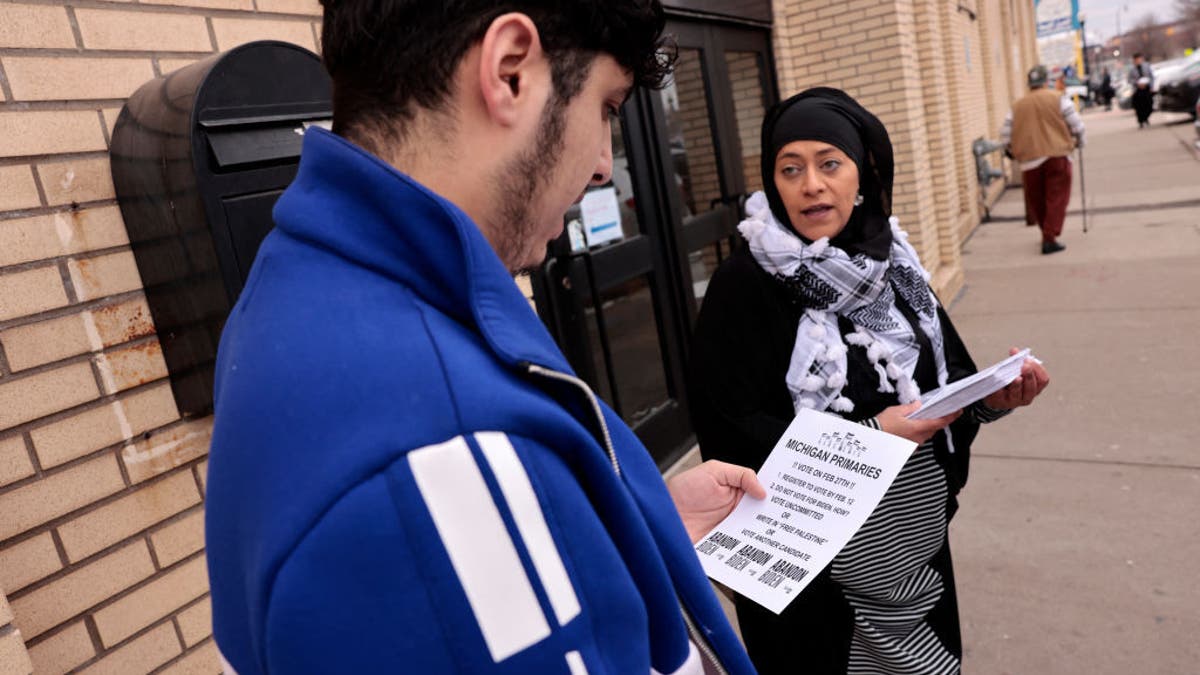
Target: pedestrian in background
{"points": [[1106, 89], [1141, 76], [1041, 131], [406, 476]]}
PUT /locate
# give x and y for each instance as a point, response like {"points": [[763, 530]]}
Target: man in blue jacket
{"points": [[406, 477]]}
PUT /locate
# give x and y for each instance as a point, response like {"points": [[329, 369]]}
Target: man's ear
{"points": [[510, 57]]}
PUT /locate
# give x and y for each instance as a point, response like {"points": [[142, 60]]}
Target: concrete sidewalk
{"points": [[1078, 543]]}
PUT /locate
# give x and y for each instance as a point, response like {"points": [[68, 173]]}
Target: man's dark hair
{"points": [[1138, 55], [388, 58]]}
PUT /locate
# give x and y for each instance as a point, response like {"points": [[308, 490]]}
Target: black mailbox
{"points": [[199, 158]]}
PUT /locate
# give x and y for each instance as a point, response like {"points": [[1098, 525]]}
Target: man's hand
{"points": [[1023, 390], [705, 494], [894, 420]]}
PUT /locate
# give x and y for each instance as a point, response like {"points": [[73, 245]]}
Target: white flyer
{"points": [[823, 479], [960, 394]]}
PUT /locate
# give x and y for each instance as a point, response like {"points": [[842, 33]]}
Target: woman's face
{"points": [[818, 184]]}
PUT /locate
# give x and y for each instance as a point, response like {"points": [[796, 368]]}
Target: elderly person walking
{"points": [[828, 308], [1040, 132]]}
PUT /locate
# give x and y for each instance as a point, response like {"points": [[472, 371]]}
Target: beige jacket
{"points": [[1040, 128]]}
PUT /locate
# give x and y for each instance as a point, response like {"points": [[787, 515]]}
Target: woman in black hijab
{"points": [[828, 307]]}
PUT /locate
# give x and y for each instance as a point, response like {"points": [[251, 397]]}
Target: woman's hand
{"points": [[705, 494], [1023, 390], [894, 420]]}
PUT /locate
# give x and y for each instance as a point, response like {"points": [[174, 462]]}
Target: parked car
{"points": [[1180, 92]]}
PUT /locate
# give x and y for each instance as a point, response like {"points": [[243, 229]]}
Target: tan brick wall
{"points": [[14, 658], [101, 482], [939, 119], [937, 78]]}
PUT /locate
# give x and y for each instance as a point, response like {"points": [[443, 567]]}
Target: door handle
{"points": [[738, 201]]}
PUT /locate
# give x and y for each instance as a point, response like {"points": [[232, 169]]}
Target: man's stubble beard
{"points": [[516, 235]]}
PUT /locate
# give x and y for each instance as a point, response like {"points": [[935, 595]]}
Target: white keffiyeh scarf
{"points": [[831, 283]]}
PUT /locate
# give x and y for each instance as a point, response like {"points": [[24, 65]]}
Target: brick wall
{"points": [[936, 77], [101, 483], [14, 658], [932, 26]]}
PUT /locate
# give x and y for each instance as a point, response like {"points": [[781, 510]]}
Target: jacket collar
{"points": [[352, 203]]}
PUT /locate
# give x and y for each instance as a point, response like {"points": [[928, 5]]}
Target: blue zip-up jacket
{"points": [[405, 476]]}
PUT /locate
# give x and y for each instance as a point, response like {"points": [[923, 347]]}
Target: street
{"points": [[1077, 546]]}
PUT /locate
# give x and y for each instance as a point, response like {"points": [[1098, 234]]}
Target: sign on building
{"points": [[1056, 16], [1057, 31]]}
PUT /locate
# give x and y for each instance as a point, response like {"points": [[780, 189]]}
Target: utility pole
{"points": [[1120, 35]]}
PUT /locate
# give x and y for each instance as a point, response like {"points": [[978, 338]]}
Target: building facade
{"points": [[102, 481]]}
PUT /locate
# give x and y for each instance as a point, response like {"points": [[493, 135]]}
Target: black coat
{"points": [[741, 406]]}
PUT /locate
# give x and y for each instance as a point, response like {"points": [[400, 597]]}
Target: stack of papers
{"points": [[960, 394]]}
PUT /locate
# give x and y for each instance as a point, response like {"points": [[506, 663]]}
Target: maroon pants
{"points": [[1047, 192]]}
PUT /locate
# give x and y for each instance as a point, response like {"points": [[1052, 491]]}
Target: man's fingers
{"points": [[740, 477], [748, 482]]}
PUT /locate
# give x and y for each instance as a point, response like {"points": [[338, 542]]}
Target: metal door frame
{"points": [[661, 251]]}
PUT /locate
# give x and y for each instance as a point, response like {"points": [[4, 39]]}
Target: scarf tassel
{"points": [[859, 339], [885, 387], [842, 404], [878, 352], [820, 353], [812, 383]]}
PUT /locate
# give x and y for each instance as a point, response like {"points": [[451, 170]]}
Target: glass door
{"points": [[711, 115], [621, 287], [606, 295]]}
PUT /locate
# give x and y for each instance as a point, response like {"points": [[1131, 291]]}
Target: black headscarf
{"points": [[832, 116]]}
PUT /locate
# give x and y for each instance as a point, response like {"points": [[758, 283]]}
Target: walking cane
{"points": [[1083, 189]]}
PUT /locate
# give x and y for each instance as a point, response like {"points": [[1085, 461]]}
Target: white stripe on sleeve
{"points": [[531, 523], [480, 549], [575, 663]]}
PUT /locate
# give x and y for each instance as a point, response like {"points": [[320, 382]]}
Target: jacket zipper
{"points": [[535, 369], [702, 644], [706, 649]]}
